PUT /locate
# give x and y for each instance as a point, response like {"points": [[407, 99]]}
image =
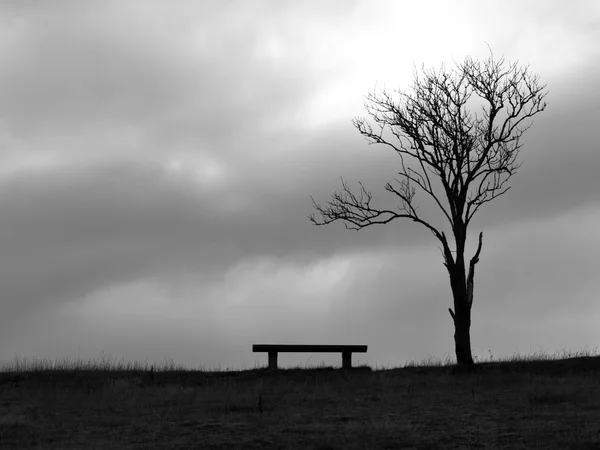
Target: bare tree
{"points": [[458, 135]]}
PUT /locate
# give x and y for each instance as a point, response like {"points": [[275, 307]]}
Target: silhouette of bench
{"points": [[274, 349]]}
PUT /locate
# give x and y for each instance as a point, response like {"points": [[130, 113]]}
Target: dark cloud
{"points": [[71, 232], [178, 83]]}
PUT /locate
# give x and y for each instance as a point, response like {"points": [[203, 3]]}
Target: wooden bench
{"points": [[345, 350]]}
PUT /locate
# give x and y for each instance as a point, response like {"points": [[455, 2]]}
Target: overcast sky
{"points": [[158, 158]]}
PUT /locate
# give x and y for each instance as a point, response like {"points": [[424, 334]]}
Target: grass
{"points": [[538, 401]]}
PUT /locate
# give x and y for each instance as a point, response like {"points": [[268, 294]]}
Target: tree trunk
{"points": [[462, 337], [462, 291], [462, 325]]}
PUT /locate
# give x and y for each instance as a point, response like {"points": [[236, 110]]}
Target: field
{"points": [[522, 403]]}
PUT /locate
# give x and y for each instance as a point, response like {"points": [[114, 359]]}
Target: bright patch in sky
{"points": [[201, 168], [16, 165]]}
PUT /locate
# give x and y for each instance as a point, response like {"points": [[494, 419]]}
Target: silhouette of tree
{"points": [[458, 135]]}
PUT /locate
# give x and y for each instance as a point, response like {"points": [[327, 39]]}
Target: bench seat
{"points": [[274, 349]]}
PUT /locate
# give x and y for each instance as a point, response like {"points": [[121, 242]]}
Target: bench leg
{"points": [[346, 360], [273, 360]]}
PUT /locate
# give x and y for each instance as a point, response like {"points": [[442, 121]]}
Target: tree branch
{"points": [[458, 136], [358, 212]]}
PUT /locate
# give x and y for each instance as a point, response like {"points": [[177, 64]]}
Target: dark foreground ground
{"points": [[536, 404]]}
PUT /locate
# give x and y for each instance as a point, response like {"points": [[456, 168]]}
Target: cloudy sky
{"points": [[157, 160]]}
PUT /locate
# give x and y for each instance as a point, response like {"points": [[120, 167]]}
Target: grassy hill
{"points": [[520, 403]]}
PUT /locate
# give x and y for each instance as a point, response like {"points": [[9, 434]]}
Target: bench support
{"points": [[346, 360], [272, 360]]}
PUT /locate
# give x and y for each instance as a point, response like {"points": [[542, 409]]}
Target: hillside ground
{"points": [[523, 403]]}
